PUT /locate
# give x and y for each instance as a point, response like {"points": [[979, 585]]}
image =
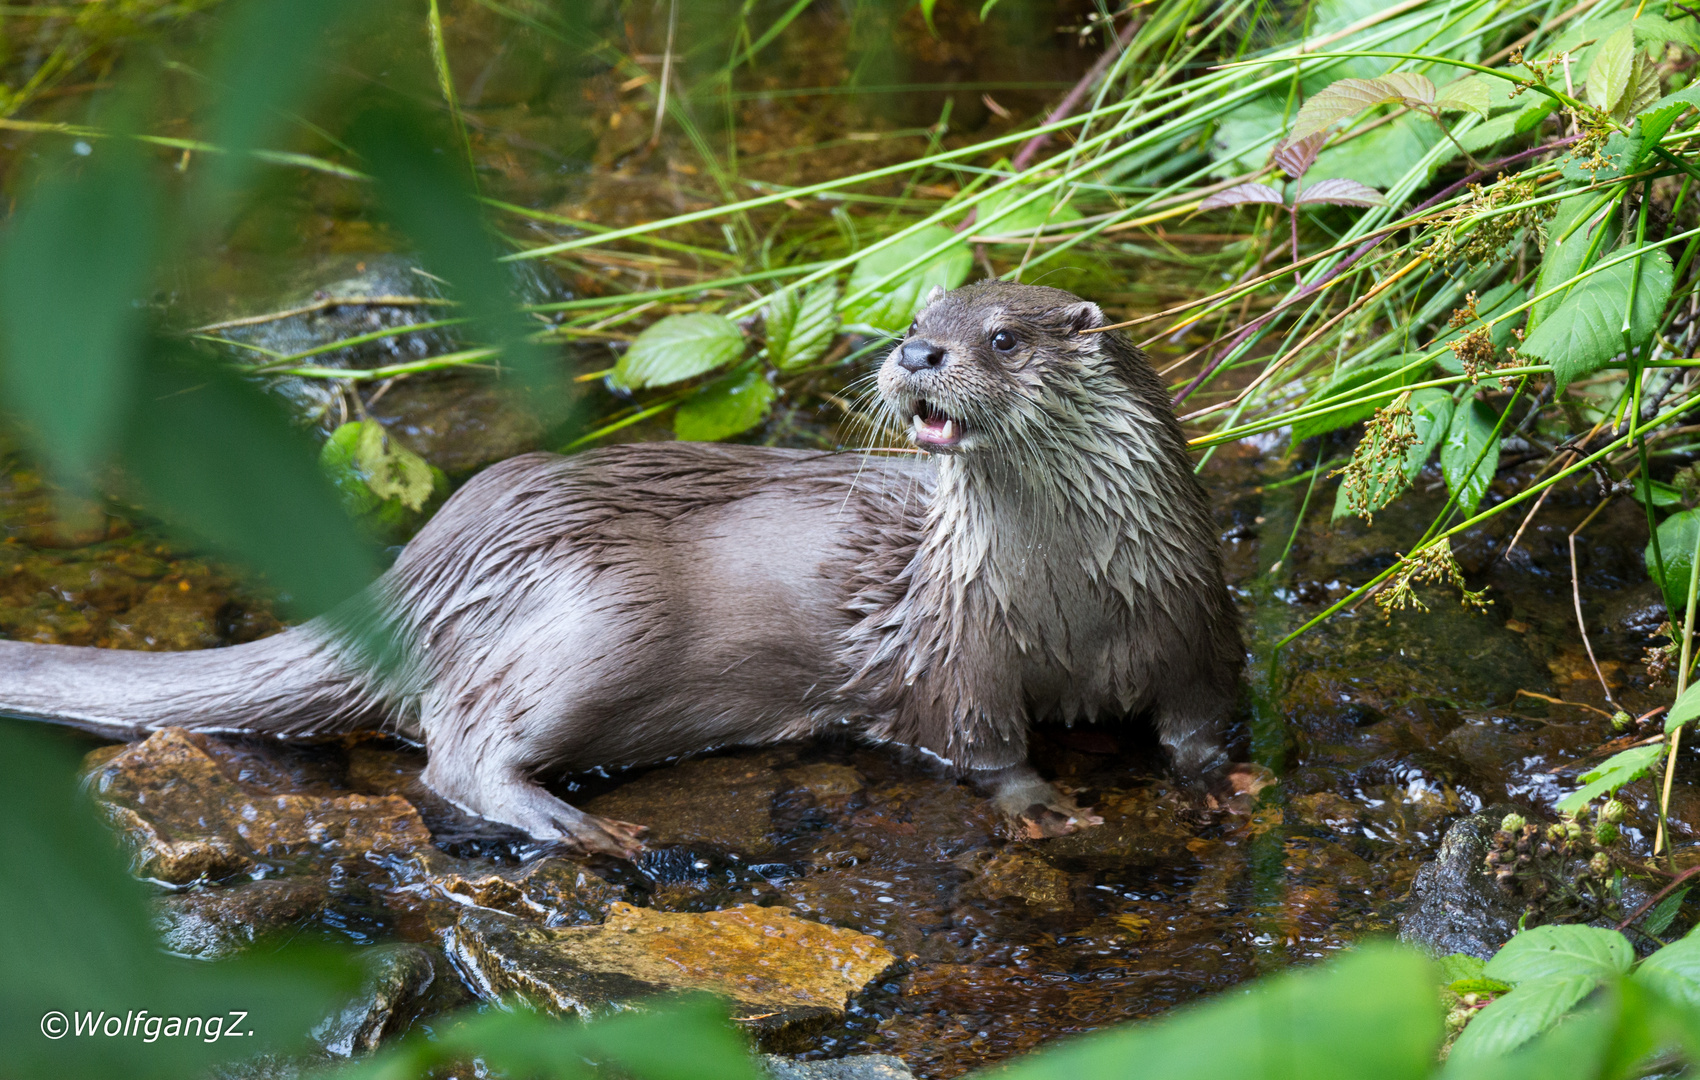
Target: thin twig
{"points": [[1660, 895], [1576, 594]]}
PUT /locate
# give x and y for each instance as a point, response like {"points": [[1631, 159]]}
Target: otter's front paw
{"points": [[1239, 786], [1057, 818]]}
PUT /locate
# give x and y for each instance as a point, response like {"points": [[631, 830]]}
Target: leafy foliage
{"points": [[890, 306], [679, 347], [726, 407], [801, 326], [1613, 773]]}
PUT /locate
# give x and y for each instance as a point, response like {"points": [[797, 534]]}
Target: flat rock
{"points": [[397, 978], [854, 1067], [1017, 874], [720, 800], [784, 976], [184, 818]]}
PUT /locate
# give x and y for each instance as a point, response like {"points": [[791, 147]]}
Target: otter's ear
{"points": [[935, 295], [1084, 316]]}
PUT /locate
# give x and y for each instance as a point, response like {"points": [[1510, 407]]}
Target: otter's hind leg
{"points": [[487, 777]]}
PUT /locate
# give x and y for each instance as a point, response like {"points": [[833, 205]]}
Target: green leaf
{"points": [[1616, 771], [999, 216], [1656, 491], [679, 347], [390, 469], [1471, 432], [891, 307], [74, 271], [801, 327], [1469, 94], [1658, 920], [1347, 380], [1371, 1013], [1676, 543], [725, 407], [214, 456], [1573, 1050], [1613, 67], [1567, 246], [1457, 966], [1687, 708], [1478, 986], [1512, 1019], [1553, 952], [1585, 332], [1674, 970]]}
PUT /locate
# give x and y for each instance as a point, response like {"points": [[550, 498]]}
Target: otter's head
{"points": [[981, 363]]}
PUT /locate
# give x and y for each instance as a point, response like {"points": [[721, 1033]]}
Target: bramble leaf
{"points": [[1470, 434], [890, 308], [725, 407], [1610, 76], [1676, 542], [1687, 708], [1414, 88], [800, 327], [1469, 94], [677, 348], [1340, 191], [1511, 1020], [1340, 100], [1242, 195], [1674, 970], [1612, 773], [1585, 332], [1561, 952], [1296, 158]]}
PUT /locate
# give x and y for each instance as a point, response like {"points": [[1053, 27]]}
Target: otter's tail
{"points": [[294, 683]]}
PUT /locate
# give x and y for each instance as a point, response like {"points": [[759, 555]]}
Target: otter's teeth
{"points": [[949, 431]]}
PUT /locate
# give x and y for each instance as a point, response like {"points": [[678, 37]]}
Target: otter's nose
{"points": [[919, 354]]}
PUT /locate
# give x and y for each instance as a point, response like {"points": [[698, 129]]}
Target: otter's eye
{"points": [[1003, 341]]}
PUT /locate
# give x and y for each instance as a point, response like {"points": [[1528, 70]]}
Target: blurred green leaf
{"points": [[725, 407], [890, 308], [801, 327], [1676, 543], [1370, 1013], [1657, 492], [76, 938], [391, 470], [679, 347], [1470, 455], [1585, 331], [679, 1039], [1345, 381], [1658, 920], [1687, 708], [266, 57], [74, 275], [213, 456], [1674, 970], [1574, 1050], [1512, 1019], [1457, 966], [429, 198]]}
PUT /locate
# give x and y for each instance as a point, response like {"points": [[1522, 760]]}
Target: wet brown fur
{"points": [[640, 602]]}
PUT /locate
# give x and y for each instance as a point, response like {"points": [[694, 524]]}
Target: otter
{"points": [[1049, 557]]}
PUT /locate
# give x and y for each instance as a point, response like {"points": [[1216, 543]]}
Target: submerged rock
{"points": [[1016, 874], [721, 800], [183, 818], [397, 979], [1455, 907], [212, 923], [785, 976], [854, 1067]]}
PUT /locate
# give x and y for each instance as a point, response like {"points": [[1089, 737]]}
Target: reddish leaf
{"points": [[1296, 158], [1241, 195], [1340, 192]]}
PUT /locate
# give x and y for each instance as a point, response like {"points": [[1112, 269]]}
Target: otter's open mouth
{"points": [[933, 428]]}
